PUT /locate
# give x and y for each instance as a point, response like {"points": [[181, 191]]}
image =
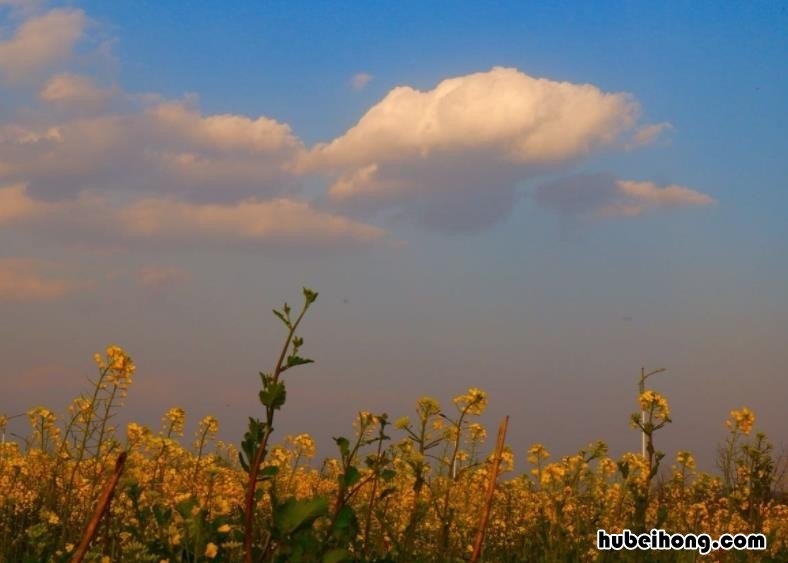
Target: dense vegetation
{"points": [[411, 489]]}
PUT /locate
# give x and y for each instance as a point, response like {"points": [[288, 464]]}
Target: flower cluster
{"points": [[417, 497]]}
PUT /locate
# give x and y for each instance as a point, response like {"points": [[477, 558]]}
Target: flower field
{"points": [[430, 486]]}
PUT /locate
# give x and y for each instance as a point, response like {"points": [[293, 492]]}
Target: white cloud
{"points": [[41, 41], [602, 195], [75, 90], [649, 133], [155, 220], [360, 80], [520, 118], [226, 132], [459, 149], [636, 198], [248, 220], [168, 147]]}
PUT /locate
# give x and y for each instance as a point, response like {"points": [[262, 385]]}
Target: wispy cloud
{"points": [[75, 90], [158, 220], [648, 134], [359, 81], [23, 279], [603, 195]]}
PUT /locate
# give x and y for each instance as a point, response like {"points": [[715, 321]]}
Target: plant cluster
{"points": [[408, 490]]}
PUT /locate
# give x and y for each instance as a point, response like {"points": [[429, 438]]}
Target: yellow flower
{"points": [[136, 432], [427, 406], [651, 401], [99, 361], [685, 458], [477, 431], [742, 420], [209, 425], [211, 550], [473, 402], [224, 528], [174, 419], [52, 518], [537, 453], [121, 366], [402, 423], [305, 444]]}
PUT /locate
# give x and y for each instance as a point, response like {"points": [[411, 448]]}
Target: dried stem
{"points": [[101, 508], [496, 462]]}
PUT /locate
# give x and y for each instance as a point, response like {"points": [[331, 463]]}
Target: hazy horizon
{"points": [[535, 200]]}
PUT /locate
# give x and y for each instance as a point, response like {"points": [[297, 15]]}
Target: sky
{"points": [[536, 199]]}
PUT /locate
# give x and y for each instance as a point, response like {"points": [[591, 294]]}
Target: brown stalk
{"points": [[496, 462], [101, 508]]}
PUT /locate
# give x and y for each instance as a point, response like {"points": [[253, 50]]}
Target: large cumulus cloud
{"points": [[450, 158]]}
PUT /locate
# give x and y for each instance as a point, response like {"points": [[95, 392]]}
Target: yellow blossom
{"points": [[742, 420], [211, 550], [473, 402]]}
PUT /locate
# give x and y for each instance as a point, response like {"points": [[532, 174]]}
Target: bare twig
{"points": [[101, 508], [496, 462]]}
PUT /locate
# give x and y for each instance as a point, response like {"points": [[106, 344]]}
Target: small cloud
{"points": [[160, 277], [21, 279], [602, 196], [75, 90], [647, 134], [40, 41], [360, 80], [635, 198]]}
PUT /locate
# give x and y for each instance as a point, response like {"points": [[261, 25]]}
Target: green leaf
{"points": [[351, 476], [243, 462], [345, 524], [296, 514], [274, 395], [293, 361], [162, 516], [282, 317], [268, 472], [344, 446], [185, 507]]}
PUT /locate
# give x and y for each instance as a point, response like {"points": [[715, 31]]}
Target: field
{"points": [[415, 488]]}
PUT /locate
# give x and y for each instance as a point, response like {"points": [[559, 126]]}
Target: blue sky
{"points": [[460, 243]]}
